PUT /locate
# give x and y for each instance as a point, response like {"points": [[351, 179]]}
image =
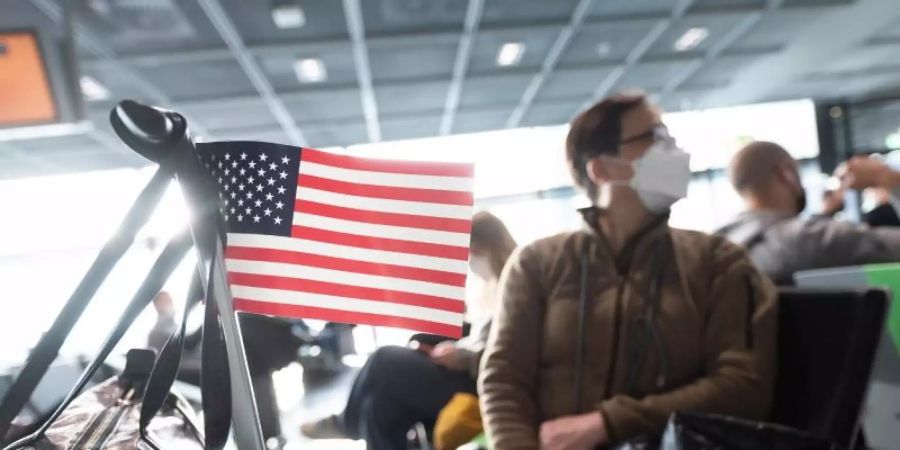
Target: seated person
{"points": [[778, 240], [601, 334], [165, 321], [399, 387]]}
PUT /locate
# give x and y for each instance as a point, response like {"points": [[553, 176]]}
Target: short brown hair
{"points": [[753, 166], [597, 131]]}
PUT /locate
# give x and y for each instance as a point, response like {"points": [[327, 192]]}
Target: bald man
{"points": [[780, 242]]}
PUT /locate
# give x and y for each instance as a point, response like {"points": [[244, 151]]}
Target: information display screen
{"points": [[26, 97]]}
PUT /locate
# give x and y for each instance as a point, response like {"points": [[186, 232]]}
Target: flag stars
{"points": [[272, 166], [248, 210], [233, 195], [263, 157], [252, 164], [279, 205], [241, 187], [261, 172], [234, 164], [277, 220], [233, 179], [232, 210], [283, 174], [251, 179], [227, 156], [281, 189], [249, 195], [243, 156], [271, 181], [241, 202], [268, 212], [256, 219], [240, 218], [259, 188], [269, 197], [227, 172], [258, 203], [242, 171]]}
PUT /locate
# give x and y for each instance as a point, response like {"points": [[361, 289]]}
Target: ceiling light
{"points": [[288, 16], [92, 90], [310, 70], [510, 54], [691, 38], [604, 48]]}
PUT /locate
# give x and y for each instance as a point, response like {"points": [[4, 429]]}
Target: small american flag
{"points": [[325, 236]]}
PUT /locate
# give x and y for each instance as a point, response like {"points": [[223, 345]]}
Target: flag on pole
{"points": [[324, 236]]}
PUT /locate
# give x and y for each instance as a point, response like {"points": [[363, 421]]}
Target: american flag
{"points": [[324, 236]]}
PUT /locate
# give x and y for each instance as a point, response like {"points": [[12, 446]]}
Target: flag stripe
{"points": [[389, 166], [349, 278], [344, 304], [277, 309], [458, 253], [381, 231], [343, 290], [385, 205], [385, 192], [383, 218], [346, 251], [349, 265], [386, 179]]}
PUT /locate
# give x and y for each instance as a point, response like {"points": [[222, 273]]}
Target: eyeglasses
{"points": [[657, 133]]}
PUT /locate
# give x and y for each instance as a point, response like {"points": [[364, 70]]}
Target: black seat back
{"points": [[827, 345]]}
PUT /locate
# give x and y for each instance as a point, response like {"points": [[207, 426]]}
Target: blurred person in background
{"points": [[399, 387], [779, 241], [165, 321], [601, 334]]}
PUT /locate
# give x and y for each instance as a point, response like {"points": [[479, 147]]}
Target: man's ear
{"points": [[597, 171]]}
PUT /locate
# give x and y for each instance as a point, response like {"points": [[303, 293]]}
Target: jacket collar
{"points": [[657, 226]]}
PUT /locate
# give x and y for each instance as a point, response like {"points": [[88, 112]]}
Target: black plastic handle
{"points": [[152, 132]]}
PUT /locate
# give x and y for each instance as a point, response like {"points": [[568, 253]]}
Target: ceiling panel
{"points": [[551, 113], [412, 60], [331, 135], [651, 76], [792, 3], [410, 127], [717, 5], [574, 83], [472, 121], [393, 16], [775, 30], [59, 145], [717, 26], [865, 58], [526, 11], [618, 9], [325, 105], [411, 97], [212, 79], [537, 41], [494, 90], [324, 20], [890, 32], [337, 59], [274, 135], [718, 73], [606, 41], [130, 27], [241, 115]]}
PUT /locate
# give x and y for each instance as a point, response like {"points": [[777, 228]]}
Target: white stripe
{"points": [[386, 179], [347, 304], [346, 278], [344, 251], [381, 231], [385, 205]]}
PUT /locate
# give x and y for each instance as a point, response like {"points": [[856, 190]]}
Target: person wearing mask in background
{"points": [[399, 387], [601, 334], [165, 321], [782, 243]]}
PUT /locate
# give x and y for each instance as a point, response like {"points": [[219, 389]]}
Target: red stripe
{"points": [[384, 218], [343, 290], [386, 192], [373, 243], [333, 315], [386, 165], [346, 265]]}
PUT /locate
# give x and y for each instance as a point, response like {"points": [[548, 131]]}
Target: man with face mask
{"points": [[782, 243], [602, 333]]}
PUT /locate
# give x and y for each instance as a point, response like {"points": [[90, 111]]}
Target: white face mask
{"points": [[661, 176]]}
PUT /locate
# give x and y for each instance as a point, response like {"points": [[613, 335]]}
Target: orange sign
{"points": [[25, 96]]}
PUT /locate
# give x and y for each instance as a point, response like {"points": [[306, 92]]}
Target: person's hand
{"points": [[833, 202], [444, 354], [862, 172], [582, 432]]}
